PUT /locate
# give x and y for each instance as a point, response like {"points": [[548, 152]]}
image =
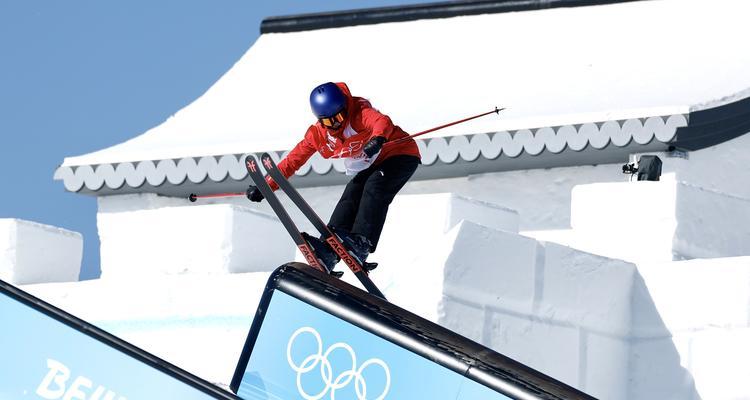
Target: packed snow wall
{"points": [[31, 252]]}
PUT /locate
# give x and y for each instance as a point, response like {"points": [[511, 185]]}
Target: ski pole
{"points": [[403, 139], [193, 197], [349, 151]]}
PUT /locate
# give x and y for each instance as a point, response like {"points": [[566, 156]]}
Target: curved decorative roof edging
{"points": [[440, 150]]}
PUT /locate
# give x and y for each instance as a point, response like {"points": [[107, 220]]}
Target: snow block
{"points": [[603, 325], [562, 311], [415, 223], [461, 208], [418, 285], [604, 362], [699, 294], [647, 221], [36, 253], [146, 234], [471, 318], [585, 290], [505, 278], [702, 312], [711, 224], [584, 302], [719, 359], [550, 348], [522, 275], [656, 373]]}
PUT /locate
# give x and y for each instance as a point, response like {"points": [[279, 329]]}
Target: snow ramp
{"points": [[317, 337]]}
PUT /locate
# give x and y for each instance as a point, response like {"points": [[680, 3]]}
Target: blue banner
{"points": [[302, 352], [43, 358]]}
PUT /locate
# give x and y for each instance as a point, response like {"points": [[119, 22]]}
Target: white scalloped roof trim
{"points": [[446, 149]]}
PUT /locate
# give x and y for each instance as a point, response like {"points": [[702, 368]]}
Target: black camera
{"points": [[648, 168], [629, 169]]}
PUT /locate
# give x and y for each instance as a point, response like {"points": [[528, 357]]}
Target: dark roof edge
{"points": [[716, 125], [369, 16]]}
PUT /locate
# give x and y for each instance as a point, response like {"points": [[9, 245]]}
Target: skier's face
{"points": [[334, 122]]}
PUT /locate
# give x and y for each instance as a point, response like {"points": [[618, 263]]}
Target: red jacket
{"points": [[363, 122]]}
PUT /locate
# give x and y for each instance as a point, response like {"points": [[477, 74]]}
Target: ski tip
{"points": [[193, 197], [251, 163], [267, 161]]}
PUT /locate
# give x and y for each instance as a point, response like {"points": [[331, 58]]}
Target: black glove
{"points": [[254, 194], [373, 146]]}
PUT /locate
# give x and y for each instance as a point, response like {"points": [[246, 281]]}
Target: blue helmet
{"points": [[327, 100]]}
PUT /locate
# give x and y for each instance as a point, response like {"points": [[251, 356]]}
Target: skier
{"points": [[349, 127]]}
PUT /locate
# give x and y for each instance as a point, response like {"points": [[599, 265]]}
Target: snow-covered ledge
{"points": [[659, 221], [149, 234], [36, 253]]}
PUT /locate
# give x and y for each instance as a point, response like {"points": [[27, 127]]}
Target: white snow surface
{"points": [[611, 328], [659, 221], [173, 236], [548, 67], [31, 252], [418, 222]]}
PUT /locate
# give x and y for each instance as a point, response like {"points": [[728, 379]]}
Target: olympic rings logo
{"points": [[320, 358]]}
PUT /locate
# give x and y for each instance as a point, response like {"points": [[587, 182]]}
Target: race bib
{"points": [[359, 162]]}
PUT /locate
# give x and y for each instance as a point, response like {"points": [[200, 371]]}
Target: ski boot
{"points": [[325, 254], [358, 245]]}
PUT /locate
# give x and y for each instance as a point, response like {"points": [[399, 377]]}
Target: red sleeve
{"points": [[379, 124], [297, 157]]}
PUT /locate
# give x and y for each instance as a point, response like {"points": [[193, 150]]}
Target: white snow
{"points": [[702, 311], [31, 252], [542, 197], [416, 222], [539, 303], [611, 328], [703, 293], [148, 234], [659, 221], [549, 67]]}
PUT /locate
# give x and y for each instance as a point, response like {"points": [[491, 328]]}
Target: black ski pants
{"points": [[364, 204]]}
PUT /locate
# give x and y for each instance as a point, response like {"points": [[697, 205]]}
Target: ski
{"points": [[327, 234], [260, 181]]}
